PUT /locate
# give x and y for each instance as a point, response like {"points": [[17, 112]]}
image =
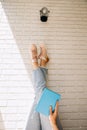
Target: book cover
{"points": [[47, 99]]}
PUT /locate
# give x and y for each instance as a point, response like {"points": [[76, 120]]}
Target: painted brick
{"points": [[65, 35]]}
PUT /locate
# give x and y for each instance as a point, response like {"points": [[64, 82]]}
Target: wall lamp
{"points": [[44, 13]]}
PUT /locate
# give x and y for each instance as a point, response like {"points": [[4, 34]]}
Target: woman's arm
{"points": [[53, 117]]}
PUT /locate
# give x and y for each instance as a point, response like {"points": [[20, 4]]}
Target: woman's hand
{"points": [[53, 117]]}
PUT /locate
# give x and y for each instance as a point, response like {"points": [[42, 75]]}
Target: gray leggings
{"points": [[37, 121]]}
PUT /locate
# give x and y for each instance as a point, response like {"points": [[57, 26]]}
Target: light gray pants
{"points": [[37, 121]]}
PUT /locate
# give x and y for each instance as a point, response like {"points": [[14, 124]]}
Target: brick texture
{"points": [[65, 35]]}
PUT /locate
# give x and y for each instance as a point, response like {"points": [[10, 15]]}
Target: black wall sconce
{"points": [[44, 13]]}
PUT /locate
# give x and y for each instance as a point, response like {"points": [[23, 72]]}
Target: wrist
{"points": [[54, 127]]}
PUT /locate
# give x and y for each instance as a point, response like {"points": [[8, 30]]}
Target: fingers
{"points": [[50, 110], [57, 106]]}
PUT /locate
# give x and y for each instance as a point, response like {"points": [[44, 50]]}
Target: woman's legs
{"points": [[38, 121]]}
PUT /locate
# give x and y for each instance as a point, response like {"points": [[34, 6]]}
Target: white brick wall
{"points": [[65, 35]]}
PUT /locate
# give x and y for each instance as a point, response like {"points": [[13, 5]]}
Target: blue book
{"points": [[47, 99]]}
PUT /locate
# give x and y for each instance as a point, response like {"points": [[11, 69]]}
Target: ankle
{"points": [[35, 65], [43, 63]]}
